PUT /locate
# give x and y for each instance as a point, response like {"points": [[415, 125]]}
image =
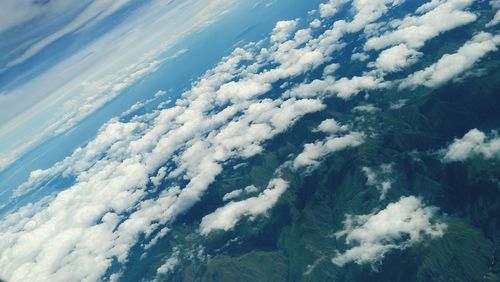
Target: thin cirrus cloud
{"points": [[92, 14], [59, 98]]}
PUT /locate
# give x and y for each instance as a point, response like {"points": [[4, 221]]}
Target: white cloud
{"points": [[380, 178], [495, 20], [18, 12], [400, 225], [314, 153], [359, 57], [330, 8], [238, 192], [283, 30], [398, 104], [414, 31], [233, 194], [345, 88], [396, 58], [170, 264], [226, 217], [473, 143], [369, 108], [331, 126], [315, 23], [451, 65]]}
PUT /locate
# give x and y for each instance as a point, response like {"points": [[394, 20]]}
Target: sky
{"points": [[138, 174], [72, 66]]}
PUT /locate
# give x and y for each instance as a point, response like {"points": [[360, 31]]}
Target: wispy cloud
{"points": [[75, 88], [92, 14]]}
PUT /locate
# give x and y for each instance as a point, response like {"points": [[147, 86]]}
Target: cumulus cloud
{"points": [[226, 217], [380, 178], [396, 58], [233, 194], [451, 65], [398, 226], [359, 57], [414, 31], [283, 30], [238, 192], [330, 8], [331, 126], [474, 143], [343, 88], [315, 23], [314, 153]]}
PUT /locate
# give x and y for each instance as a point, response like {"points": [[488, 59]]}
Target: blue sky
{"points": [[70, 60]]}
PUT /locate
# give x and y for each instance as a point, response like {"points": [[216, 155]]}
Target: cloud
{"points": [[414, 31], [116, 175], [170, 264], [226, 217], [380, 178], [330, 8], [369, 108], [398, 226], [474, 143], [233, 194], [451, 65], [331, 126], [398, 104], [495, 20], [18, 12], [283, 30], [343, 88], [315, 23], [59, 98], [359, 57], [314, 153], [92, 14], [396, 58]]}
